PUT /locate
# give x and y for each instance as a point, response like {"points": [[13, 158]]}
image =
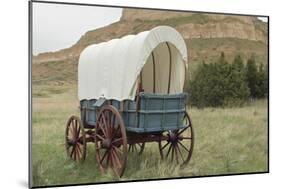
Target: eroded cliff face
{"points": [[190, 25], [199, 25], [133, 14], [222, 30]]}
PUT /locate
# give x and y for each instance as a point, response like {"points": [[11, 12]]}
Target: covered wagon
{"points": [[131, 92]]}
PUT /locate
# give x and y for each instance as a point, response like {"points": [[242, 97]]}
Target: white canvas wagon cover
{"points": [[111, 69]]}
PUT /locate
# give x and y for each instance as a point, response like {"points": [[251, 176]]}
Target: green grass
{"points": [[227, 140]]}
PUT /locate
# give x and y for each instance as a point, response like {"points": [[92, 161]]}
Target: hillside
{"points": [[206, 36]]}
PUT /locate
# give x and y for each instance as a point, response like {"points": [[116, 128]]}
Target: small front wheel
{"points": [[75, 139]]}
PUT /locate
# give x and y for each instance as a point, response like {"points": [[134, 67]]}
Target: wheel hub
{"points": [[106, 143], [173, 137], [71, 142]]}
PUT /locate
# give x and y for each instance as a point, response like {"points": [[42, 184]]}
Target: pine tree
{"points": [[238, 86], [262, 82], [238, 63], [252, 77]]}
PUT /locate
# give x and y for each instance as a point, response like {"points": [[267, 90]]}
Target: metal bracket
{"points": [[99, 103]]}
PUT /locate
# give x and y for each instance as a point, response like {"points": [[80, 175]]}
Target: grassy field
{"points": [[227, 140]]}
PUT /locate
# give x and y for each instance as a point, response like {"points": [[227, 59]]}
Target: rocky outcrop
{"points": [[190, 25]]}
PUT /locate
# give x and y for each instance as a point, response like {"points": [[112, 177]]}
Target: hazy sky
{"points": [[58, 26]]}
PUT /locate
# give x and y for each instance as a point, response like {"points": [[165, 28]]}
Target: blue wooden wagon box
{"points": [[158, 112]]}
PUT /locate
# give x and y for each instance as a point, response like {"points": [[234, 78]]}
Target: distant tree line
{"points": [[224, 84]]}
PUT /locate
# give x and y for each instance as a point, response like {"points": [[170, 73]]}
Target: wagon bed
{"points": [[157, 113]]}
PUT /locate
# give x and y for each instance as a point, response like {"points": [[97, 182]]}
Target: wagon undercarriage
{"points": [[113, 142]]}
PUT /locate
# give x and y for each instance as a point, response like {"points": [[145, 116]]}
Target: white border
{"points": [[14, 92]]}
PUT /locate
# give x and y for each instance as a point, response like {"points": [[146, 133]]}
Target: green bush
{"points": [[257, 79], [224, 84], [219, 84]]}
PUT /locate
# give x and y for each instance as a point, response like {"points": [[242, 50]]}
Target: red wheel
{"points": [[75, 139], [179, 145], [111, 140], [136, 148]]}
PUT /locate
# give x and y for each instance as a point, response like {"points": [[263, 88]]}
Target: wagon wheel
{"points": [[179, 145], [111, 140], [75, 139], [136, 148]]}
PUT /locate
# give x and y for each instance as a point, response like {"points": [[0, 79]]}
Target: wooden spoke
{"points": [[183, 146], [136, 148], [176, 153], [78, 132], [182, 131], [169, 151], [102, 127], [185, 138], [72, 151], [79, 150], [104, 155], [179, 152], [100, 137], [118, 149], [113, 140], [117, 160], [173, 150], [162, 148], [75, 139], [105, 126], [117, 140]]}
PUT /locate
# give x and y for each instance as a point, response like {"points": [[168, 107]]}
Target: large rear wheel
{"points": [[111, 141]]}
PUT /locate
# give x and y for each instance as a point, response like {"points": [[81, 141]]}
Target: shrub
{"points": [[257, 79], [219, 84]]}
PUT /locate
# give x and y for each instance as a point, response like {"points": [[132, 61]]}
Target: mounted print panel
{"points": [[123, 94]]}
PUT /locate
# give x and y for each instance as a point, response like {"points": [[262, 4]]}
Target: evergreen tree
{"points": [[238, 63], [219, 84], [252, 77], [238, 88], [266, 81], [262, 82]]}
